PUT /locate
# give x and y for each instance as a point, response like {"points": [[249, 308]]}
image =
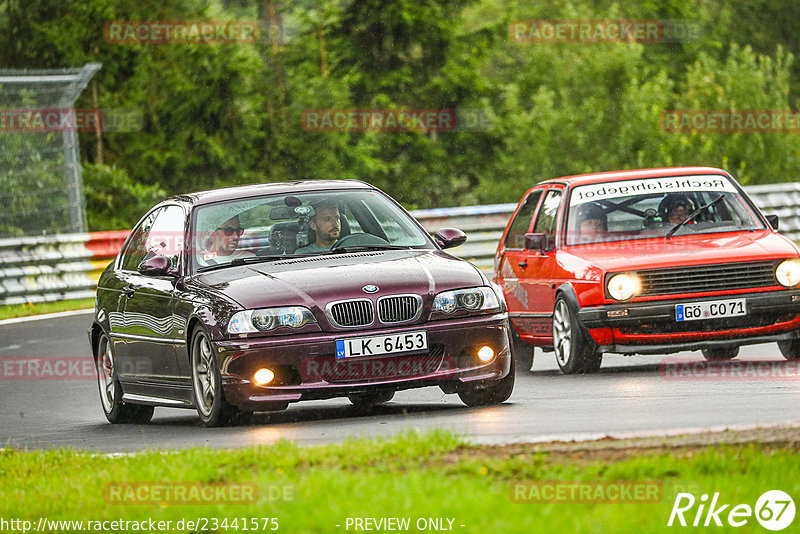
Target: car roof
{"points": [[257, 190], [614, 176]]}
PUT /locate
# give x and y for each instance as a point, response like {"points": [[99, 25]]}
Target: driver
{"points": [[592, 222], [676, 208], [327, 226], [223, 243]]}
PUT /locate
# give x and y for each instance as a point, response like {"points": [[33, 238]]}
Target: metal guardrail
{"points": [[58, 267], [49, 268]]}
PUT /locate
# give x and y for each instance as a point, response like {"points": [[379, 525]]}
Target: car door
{"points": [[149, 331], [534, 271], [539, 283], [512, 268]]}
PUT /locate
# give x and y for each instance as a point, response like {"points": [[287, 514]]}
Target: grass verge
{"points": [[26, 310], [434, 475]]}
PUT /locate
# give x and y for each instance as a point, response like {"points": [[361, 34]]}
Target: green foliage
{"points": [[217, 115], [114, 201]]}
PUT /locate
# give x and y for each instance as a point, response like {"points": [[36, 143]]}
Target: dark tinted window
{"points": [[515, 239]]}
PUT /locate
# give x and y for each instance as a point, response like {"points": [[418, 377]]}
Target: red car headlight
{"points": [[624, 286]]}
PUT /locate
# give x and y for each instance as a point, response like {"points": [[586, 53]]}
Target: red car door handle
{"points": [[523, 264]]}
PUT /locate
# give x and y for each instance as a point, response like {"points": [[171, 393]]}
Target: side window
{"points": [[161, 233], [136, 248], [166, 235], [515, 239], [546, 220]]}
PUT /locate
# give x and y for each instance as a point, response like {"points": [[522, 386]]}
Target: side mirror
{"points": [[535, 242], [773, 221], [157, 266], [449, 237]]}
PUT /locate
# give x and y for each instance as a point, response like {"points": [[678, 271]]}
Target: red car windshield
{"points": [[654, 207]]}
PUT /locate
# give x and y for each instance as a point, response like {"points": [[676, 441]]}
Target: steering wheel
{"points": [[359, 239]]}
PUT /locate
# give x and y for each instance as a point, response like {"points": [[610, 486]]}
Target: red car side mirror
{"points": [[535, 242]]}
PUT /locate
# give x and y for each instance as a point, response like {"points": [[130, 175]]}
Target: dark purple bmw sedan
{"points": [[249, 298]]}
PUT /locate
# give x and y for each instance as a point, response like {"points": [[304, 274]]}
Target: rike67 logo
{"points": [[774, 510]]}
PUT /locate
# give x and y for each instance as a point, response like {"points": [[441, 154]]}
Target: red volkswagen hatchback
{"points": [[646, 262]]}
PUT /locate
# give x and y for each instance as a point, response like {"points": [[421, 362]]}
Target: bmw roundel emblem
{"points": [[370, 288]]}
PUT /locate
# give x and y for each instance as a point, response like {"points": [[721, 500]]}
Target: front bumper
{"points": [[652, 328], [306, 367]]}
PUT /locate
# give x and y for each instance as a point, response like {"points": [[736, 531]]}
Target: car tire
{"points": [[209, 399], [721, 354], [523, 352], [110, 390], [496, 394], [364, 401], [790, 349], [574, 352]]}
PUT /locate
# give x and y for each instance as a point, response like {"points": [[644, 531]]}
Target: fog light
{"points": [[263, 377], [485, 353]]}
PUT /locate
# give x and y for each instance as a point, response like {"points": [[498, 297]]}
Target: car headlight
{"points": [[264, 320], [472, 299], [624, 286], [788, 273], [501, 299]]}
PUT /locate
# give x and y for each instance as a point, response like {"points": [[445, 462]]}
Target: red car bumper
{"points": [[652, 327]]}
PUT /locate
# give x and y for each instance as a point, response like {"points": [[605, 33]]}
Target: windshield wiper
{"points": [[364, 248], [246, 261], [694, 214]]}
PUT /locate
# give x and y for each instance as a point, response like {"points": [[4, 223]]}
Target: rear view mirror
{"points": [[773, 221], [281, 213], [535, 242]]}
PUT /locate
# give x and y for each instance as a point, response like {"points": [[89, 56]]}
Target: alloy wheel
{"points": [[562, 332]]}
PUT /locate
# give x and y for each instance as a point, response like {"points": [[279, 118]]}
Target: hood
{"points": [[686, 250], [316, 280]]}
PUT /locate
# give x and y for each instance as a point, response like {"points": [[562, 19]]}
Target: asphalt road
{"points": [[634, 395]]}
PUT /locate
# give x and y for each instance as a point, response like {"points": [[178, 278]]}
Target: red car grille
{"points": [[700, 278]]}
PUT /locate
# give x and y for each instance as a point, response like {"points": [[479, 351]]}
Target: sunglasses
{"points": [[229, 231]]}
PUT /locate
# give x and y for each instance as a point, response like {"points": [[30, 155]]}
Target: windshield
{"points": [[305, 224], [657, 207]]}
